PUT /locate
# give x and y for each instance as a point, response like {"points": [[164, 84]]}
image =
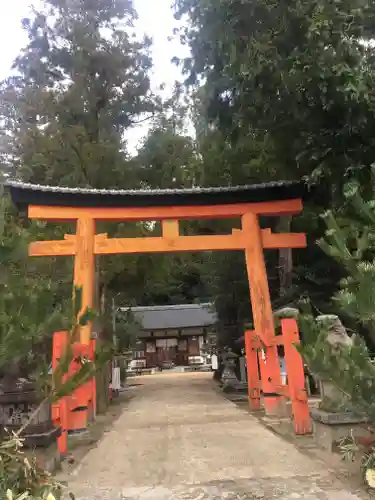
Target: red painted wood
{"points": [[64, 412], [262, 311], [82, 396], [270, 374], [229, 211], [296, 377], [252, 239], [253, 380]]}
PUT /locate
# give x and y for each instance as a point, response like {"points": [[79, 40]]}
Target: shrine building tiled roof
{"points": [[174, 316]]}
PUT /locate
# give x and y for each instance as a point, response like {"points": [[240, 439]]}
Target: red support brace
{"points": [[296, 377], [263, 348], [269, 365], [253, 381], [80, 401]]}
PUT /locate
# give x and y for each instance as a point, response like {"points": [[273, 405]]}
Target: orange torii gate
{"points": [[248, 203]]}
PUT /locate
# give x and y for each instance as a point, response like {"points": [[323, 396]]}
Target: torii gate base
{"points": [[71, 413], [294, 389]]}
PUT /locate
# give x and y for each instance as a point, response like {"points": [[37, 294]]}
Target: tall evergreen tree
{"points": [[82, 82], [297, 76], [167, 159], [29, 308], [285, 91]]}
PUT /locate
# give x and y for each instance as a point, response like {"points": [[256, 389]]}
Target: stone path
{"points": [[181, 440]]}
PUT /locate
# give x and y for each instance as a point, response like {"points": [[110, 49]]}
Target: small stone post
{"points": [[242, 362]]}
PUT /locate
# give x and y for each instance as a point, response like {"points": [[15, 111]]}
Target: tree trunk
{"points": [[285, 259], [97, 297], [102, 388], [104, 375]]}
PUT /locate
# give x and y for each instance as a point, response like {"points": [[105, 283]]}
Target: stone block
{"points": [[330, 428], [281, 410], [48, 459]]}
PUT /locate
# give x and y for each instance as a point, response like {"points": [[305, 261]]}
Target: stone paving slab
{"points": [[180, 440]]}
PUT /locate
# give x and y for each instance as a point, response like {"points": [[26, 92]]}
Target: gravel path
{"points": [[180, 440]]}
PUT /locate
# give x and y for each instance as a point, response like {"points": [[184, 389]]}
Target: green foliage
{"points": [[82, 82], [60, 384], [29, 314], [167, 159], [279, 90], [225, 275], [350, 239], [283, 90], [21, 477], [24, 300], [349, 368], [18, 474], [290, 75], [127, 330]]}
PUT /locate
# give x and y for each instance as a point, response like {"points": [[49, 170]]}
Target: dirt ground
{"points": [[179, 439]]}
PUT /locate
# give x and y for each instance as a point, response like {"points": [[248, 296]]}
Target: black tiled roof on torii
{"points": [[24, 194]]}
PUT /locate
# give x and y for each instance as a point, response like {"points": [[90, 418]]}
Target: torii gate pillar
{"points": [[84, 270], [262, 309]]}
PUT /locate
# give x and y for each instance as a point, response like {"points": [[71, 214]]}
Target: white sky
{"points": [[155, 19]]}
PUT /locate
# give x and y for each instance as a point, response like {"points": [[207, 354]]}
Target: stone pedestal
{"points": [[330, 428], [47, 458], [17, 404]]}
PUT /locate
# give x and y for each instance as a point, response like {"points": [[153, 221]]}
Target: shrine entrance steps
{"points": [[179, 439]]}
